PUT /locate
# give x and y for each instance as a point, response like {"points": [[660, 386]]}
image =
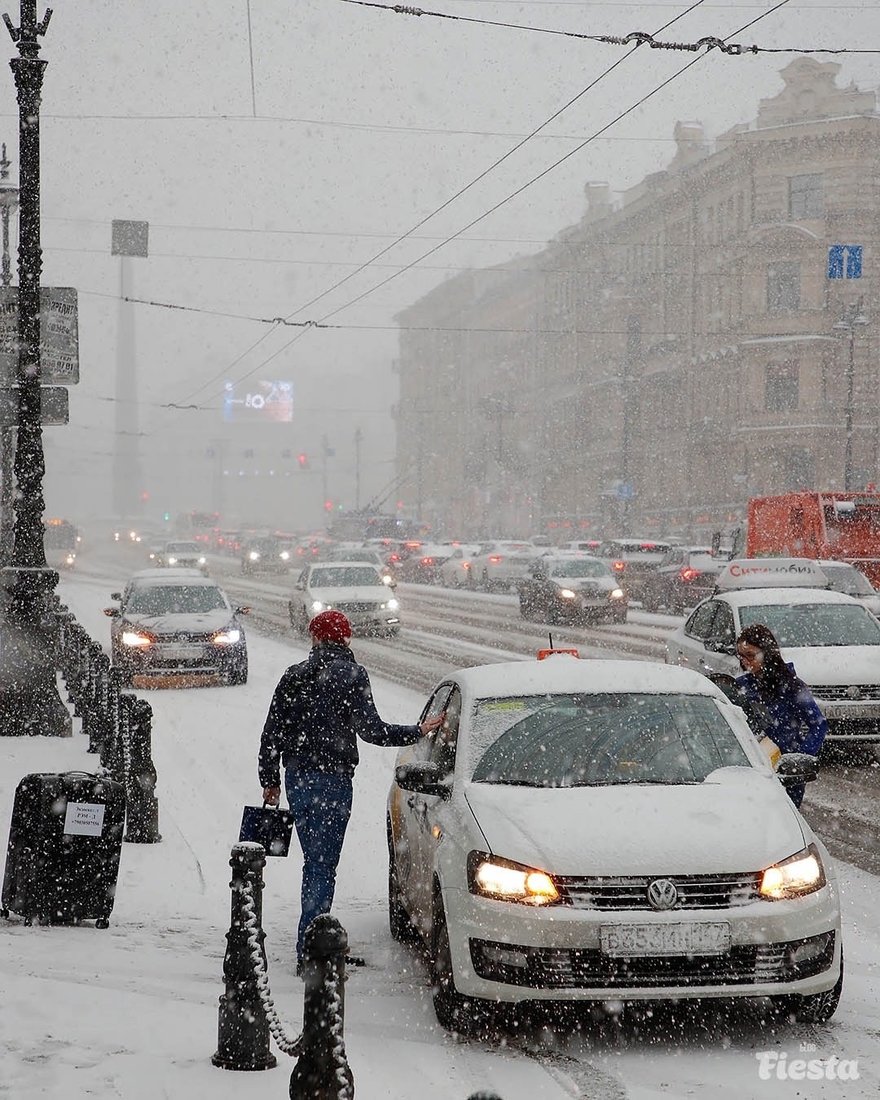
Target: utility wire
{"points": [[495, 164], [641, 38]]}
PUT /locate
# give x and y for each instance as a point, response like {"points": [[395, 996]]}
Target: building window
{"points": [[805, 196], [781, 387], [783, 287]]}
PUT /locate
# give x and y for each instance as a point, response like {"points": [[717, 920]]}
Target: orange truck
{"points": [[830, 526]]}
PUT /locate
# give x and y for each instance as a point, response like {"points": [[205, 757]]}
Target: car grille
{"points": [[837, 692], [694, 891], [357, 606], [559, 968], [184, 638]]}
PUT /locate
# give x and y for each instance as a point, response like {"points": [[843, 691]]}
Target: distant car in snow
{"points": [[352, 587], [569, 589], [505, 852], [180, 554]]}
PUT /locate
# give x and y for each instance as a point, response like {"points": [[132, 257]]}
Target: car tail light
{"points": [[394, 557], [688, 574], [494, 558], [618, 566], [465, 565], [648, 546], [427, 561]]}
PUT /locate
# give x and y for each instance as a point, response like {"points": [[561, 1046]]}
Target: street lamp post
{"points": [[852, 318], [30, 701], [8, 204]]}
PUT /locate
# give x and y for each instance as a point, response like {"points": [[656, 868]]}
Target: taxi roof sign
{"points": [[543, 654], [771, 573]]}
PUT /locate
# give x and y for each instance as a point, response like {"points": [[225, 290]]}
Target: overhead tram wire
{"points": [[403, 236], [514, 194], [640, 37]]}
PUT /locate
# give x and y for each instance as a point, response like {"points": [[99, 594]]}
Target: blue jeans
{"points": [[321, 807]]}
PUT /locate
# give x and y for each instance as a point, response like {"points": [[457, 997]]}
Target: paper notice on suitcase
{"points": [[84, 819]]}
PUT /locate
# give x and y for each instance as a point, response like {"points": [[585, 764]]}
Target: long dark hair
{"points": [[775, 675]]}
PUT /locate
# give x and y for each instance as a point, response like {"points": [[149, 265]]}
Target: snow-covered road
{"points": [[132, 1012]]}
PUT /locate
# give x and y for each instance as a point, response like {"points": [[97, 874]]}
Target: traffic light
{"points": [[166, 516], [303, 459], [328, 505]]}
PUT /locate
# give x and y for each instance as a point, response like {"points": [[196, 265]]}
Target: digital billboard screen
{"points": [[252, 402]]}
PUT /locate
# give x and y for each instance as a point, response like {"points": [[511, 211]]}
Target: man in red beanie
{"points": [[319, 709]]}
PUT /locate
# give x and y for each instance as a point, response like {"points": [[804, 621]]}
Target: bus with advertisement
{"points": [[825, 526]]}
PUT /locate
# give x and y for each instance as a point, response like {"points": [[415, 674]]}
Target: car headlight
{"points": [[794, 877], [253, 556], [285, 555], [567, 594], [172, 561], [616, 593], [227, 637], [318, 606], [70, 559], [387, 579], [136, 639], [202, 561], [493, 877], [391, 605]]}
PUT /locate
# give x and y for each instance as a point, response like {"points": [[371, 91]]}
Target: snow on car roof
{"points": [[171, 576], [749, 597], [561, 673]]}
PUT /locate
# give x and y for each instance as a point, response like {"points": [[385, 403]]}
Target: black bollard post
{"points": [[100, 724], [111, 720], [484, 1096], [242, 1027], [142, 814], [322, 1071]]}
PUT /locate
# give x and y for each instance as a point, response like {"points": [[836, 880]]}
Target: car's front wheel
{"points": [[466, 1015], [238, 672], [812, 1008]]}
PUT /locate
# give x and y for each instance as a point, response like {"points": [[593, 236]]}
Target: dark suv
{"points": [[685, 576], [177, 622]]}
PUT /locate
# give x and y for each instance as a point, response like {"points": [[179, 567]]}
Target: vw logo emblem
{"points": [[854, 692], [662, 893]]}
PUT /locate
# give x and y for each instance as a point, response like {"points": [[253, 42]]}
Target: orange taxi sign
{"points": [[543, 654]]}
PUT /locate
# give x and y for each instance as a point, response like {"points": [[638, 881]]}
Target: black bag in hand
{"points": [[269, 826]]}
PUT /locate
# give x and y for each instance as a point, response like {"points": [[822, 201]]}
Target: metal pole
{"points": [[358, 436], [31, 702], [848, 417], [8, 202]]}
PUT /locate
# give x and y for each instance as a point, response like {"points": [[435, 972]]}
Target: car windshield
{"points": [[847, 579], [177, 599], [579, 567], [601, 739], [182, 547], [353, 576], [814, 624]]}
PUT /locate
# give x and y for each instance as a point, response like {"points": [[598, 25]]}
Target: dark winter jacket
{"points": [[318, 711], [791, 718]]}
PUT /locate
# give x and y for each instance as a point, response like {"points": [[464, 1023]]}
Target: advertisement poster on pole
{"points": [[59, 336]]}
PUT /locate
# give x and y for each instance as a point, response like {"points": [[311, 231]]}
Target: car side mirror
{"points": [[115, 595], [423, 778], [242, 611], [797, 767], [111, 612], [721, 645]]}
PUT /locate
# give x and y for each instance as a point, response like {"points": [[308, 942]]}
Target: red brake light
{"points": [[427, 561], [494, 558], [688, 574], [465, 565], [649, 546], [618, 566], [394, 557]]}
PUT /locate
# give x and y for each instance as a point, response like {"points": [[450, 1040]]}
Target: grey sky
{"points": [[366, 121]]}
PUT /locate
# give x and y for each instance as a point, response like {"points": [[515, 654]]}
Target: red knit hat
{"points": [[330, 626]]}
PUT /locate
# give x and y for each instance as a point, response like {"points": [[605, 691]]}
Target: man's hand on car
{"points": [[428, 725], [271, 795]]}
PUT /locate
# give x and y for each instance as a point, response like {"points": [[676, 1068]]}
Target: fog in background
{"points": [[262, 195]]}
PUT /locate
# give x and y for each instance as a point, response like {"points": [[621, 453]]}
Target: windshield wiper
{"points": [[513, 782]]}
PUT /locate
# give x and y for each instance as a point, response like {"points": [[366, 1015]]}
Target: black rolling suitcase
{"points": [[65, 839]]}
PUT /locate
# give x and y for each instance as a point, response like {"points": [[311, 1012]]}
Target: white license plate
{"points": [[665, 939], [850, 710], [181, 652]]}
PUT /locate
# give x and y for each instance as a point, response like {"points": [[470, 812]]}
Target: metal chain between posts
{"points": [[280, 1032]]}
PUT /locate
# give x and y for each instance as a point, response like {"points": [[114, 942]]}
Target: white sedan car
{"points": [[606, 830], [353, 587], [501, 564], [832, 640], [455, 571]]}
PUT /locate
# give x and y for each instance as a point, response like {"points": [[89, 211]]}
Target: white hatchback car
{"points": [[832, 640], [597, 830], [353, 587]]}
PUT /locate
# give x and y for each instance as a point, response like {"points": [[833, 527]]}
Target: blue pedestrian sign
{"points": [[845, 261], [625, 491]]}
